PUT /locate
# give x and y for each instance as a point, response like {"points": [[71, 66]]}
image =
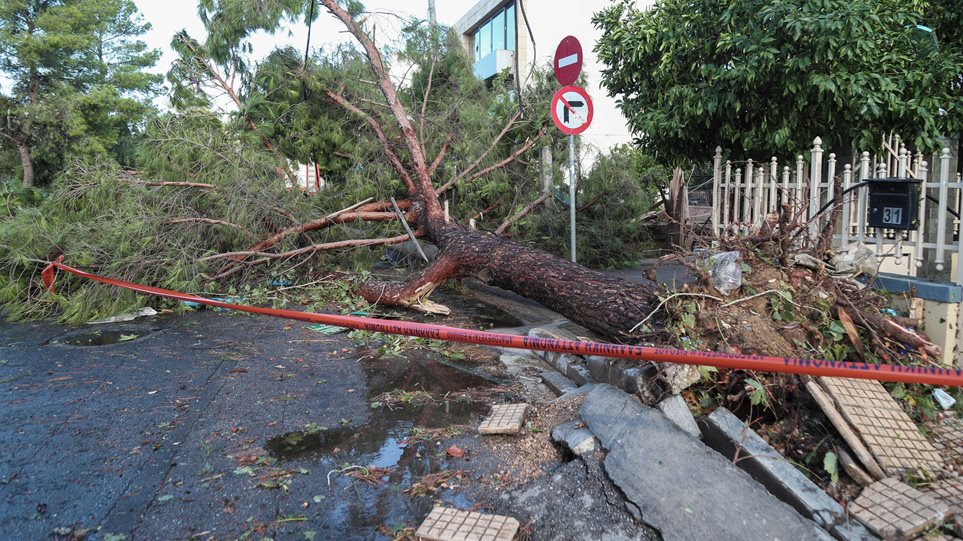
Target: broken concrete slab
{"points": [[679, 376], [558, 383], [947, 438], [675, 408], [444, 524], [727, 434], [578, 392], [852, 469], [889, 433], [896, 511], [682, 487], [575, 437], [504, 419], [575, 501], [950, 492], [609, 413], [852, 530], [599, 368], [851, 438], [574, 370]]}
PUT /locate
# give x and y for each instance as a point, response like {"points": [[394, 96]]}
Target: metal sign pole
{"points": [[571, 190]]}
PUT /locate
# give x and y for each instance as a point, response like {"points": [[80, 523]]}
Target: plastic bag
{"points": [[725, 272]]}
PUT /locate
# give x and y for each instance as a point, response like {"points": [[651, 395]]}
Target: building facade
{"points": [[495, 33], [520, 34]]}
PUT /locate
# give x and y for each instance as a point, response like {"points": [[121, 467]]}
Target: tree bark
{"points": [[26, 163], [605, 304]]}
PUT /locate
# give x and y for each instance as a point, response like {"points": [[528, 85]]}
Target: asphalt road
{"points": [[164, 436], [209, 425]]}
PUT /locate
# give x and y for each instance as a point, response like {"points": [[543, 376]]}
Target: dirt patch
{"points": [[529, 455]]}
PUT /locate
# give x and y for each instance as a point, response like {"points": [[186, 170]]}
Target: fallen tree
{"points": [[601, 302]]}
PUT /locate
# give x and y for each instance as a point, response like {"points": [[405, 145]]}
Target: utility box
{"points": [[894, 203]]}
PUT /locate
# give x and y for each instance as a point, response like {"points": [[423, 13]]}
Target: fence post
{"points": [[737, 200], [799, 183], [959, 229], [716, 180], [725, 197], [747, 205], [773, 183], [759, 205], [830, 179], [847, 203], [921, 230], [941, 219], [815, 179], [881, 173], [861, 208], [784, 200]]}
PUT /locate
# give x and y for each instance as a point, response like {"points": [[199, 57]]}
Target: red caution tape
{"points": [[930, 375]]}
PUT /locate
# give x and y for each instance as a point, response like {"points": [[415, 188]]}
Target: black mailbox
{"points": [[894, 203]]}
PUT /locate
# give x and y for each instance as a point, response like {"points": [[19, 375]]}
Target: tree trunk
{"points": [[605, 304], [602, 303], [26, 163]]}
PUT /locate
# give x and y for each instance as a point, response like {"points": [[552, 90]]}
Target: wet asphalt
{"points": [[222, 425], [164, 436]]}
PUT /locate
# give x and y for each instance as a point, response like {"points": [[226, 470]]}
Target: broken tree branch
{"points": [[408, 135], [170, 184], [414, 293], [475, 163], [441, 156], [524, 148], [424, 105], [401, 218], [314, 248], [380, 132], [210, 221], [521, 214]]}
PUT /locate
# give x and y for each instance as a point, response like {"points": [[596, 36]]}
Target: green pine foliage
{"points": [[108, 219], [79, 86]]}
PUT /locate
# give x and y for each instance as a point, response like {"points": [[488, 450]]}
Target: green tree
{"points": [[767, 76], [78, 80]]}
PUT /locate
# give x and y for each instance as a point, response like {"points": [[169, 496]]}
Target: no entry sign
{"points": [[572, 110], [568, 60]]}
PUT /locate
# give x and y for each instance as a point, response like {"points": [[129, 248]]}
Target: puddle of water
{"points": [[493, 316], [101, 337], [382, 438], [381, 441], [384, 441]]}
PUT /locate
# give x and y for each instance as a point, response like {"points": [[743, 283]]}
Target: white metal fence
{"points": [[748, 193]]}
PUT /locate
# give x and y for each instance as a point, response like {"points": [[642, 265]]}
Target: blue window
{"points": [[496, 33]]}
